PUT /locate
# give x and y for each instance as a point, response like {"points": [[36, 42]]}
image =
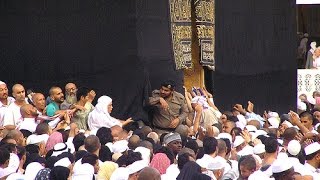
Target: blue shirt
{"points": [[52, 108]]}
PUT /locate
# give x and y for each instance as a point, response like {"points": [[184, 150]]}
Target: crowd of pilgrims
{"points": [[64, 136]]}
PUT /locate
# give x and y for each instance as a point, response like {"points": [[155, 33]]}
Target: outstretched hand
{"points": [[294, 118], [250, 107], [239, 108]]}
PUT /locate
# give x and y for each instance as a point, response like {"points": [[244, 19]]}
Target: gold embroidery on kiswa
{"points": [[180, 10], [205, 11], [180, 15], [205, 22]]}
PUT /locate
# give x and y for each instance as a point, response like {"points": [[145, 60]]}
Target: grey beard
{"points": [[71, 99]]}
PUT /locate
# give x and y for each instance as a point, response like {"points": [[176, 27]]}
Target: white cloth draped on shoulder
{"points": [[100, 116]]}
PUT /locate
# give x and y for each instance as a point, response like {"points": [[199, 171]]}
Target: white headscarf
{"points": [[83, 171], [100, 116], [32, 170]]}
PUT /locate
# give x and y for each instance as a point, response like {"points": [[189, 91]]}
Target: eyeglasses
{"points": [[72, 89]]}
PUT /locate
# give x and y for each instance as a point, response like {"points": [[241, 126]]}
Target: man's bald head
{"points": [[92, 144], [18, 92], [149, 173], [146, 130], [222, 147], [52, 89], [254, 123], [182, 130], [16, 87], [39, 101], [147, 144], [116, 131], [70, 85], [17, 136], [56, 94], [28, 111], [154, 136], [134, 141]]}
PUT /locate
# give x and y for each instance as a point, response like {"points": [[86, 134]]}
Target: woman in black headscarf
{"points": [[188, 170]]}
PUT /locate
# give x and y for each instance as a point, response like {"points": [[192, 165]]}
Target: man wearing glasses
{"points": [[71, 96]]}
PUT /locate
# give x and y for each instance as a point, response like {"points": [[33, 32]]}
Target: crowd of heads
{"points": [[50, 141]]}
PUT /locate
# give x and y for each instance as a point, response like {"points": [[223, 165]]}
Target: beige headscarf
{"points": [[106, 170]]}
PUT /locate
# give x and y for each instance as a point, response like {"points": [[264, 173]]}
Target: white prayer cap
{"points": [[294, 147], [32, 170], [312, 148], [281, 164], [35, 139], [261, 132], [14, 162], [240, 125], [257, 175], [288, 124], [202, 163], [253, 136], [247, 150], [136, 166], [1, 83], [310, 100], [274, 122], [120, 146], [65, 162], [145, 153], [301, 105], [83, 171], [273, 114], [225, 136], [216, 165], [109, 145], [15, 176], [251, 128], [59, 148], [259, 148], [242, 120], [120, 173], [238, 141]]}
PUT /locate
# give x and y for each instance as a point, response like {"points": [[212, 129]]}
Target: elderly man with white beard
{"points": [[70, 96]]}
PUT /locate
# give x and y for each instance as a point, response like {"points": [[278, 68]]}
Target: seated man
{"points": [[171, 108]]}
